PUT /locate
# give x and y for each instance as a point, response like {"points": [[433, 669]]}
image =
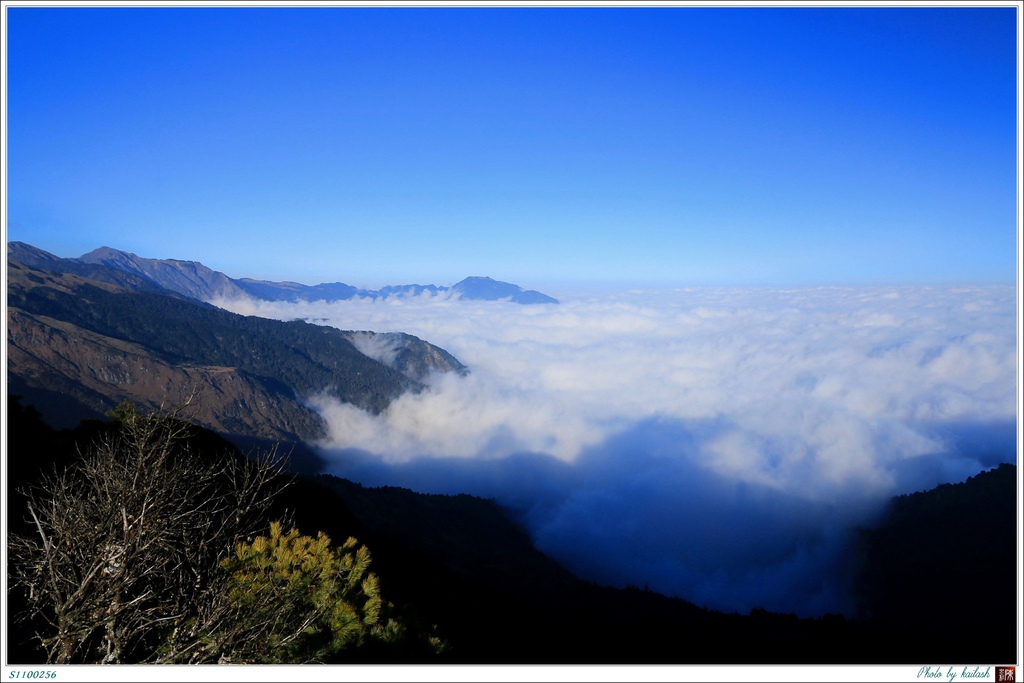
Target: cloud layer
{"points": [[715, 444]]}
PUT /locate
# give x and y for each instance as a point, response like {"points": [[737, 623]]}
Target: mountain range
{"points": [[195, 280], [84, 336]]}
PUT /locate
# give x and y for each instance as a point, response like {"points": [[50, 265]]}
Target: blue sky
{"points": [[639, 146]]}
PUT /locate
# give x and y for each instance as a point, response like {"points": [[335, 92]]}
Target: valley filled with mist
{"points": [[721, 445]]}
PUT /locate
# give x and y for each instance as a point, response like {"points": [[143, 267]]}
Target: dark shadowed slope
{"points": [[944, 562]]}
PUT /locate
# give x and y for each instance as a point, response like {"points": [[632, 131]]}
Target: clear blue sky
{"points": [[382, 145]]}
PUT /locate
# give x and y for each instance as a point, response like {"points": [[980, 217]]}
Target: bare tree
{"points": [[123, 564]]}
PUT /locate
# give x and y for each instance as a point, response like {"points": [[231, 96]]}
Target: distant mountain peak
{"points": [[109, 251], [190, 278], [26, 253], [479, 287], [193, 279]]}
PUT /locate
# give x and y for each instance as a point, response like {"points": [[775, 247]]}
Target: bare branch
{"points": [[130, 537]]}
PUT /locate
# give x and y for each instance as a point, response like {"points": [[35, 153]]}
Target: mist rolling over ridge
{"points": [[715, 444]]}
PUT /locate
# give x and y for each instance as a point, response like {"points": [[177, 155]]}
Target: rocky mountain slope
{"points": [[185, 277], [34, 257], [193, 279], [77, 346]]}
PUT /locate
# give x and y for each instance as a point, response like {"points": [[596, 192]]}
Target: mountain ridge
{"points": [[192, 278], [79, 345]]}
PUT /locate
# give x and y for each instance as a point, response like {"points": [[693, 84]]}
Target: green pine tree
{"points": [[298, 599]]}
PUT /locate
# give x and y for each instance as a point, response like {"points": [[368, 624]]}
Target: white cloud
{"points": [[787, 403], [378, 347]]}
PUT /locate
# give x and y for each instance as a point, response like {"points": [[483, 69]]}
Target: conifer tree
{"points": [[297, 599]]}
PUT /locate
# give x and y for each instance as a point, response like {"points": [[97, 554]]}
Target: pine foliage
{"points": [[299, 599]]}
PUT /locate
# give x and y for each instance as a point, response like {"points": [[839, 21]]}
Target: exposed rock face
{"points": [[33, 257], [55, 365], [190, 278]]}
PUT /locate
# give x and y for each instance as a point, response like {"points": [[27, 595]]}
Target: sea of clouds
{"points": [[716, 444]]}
